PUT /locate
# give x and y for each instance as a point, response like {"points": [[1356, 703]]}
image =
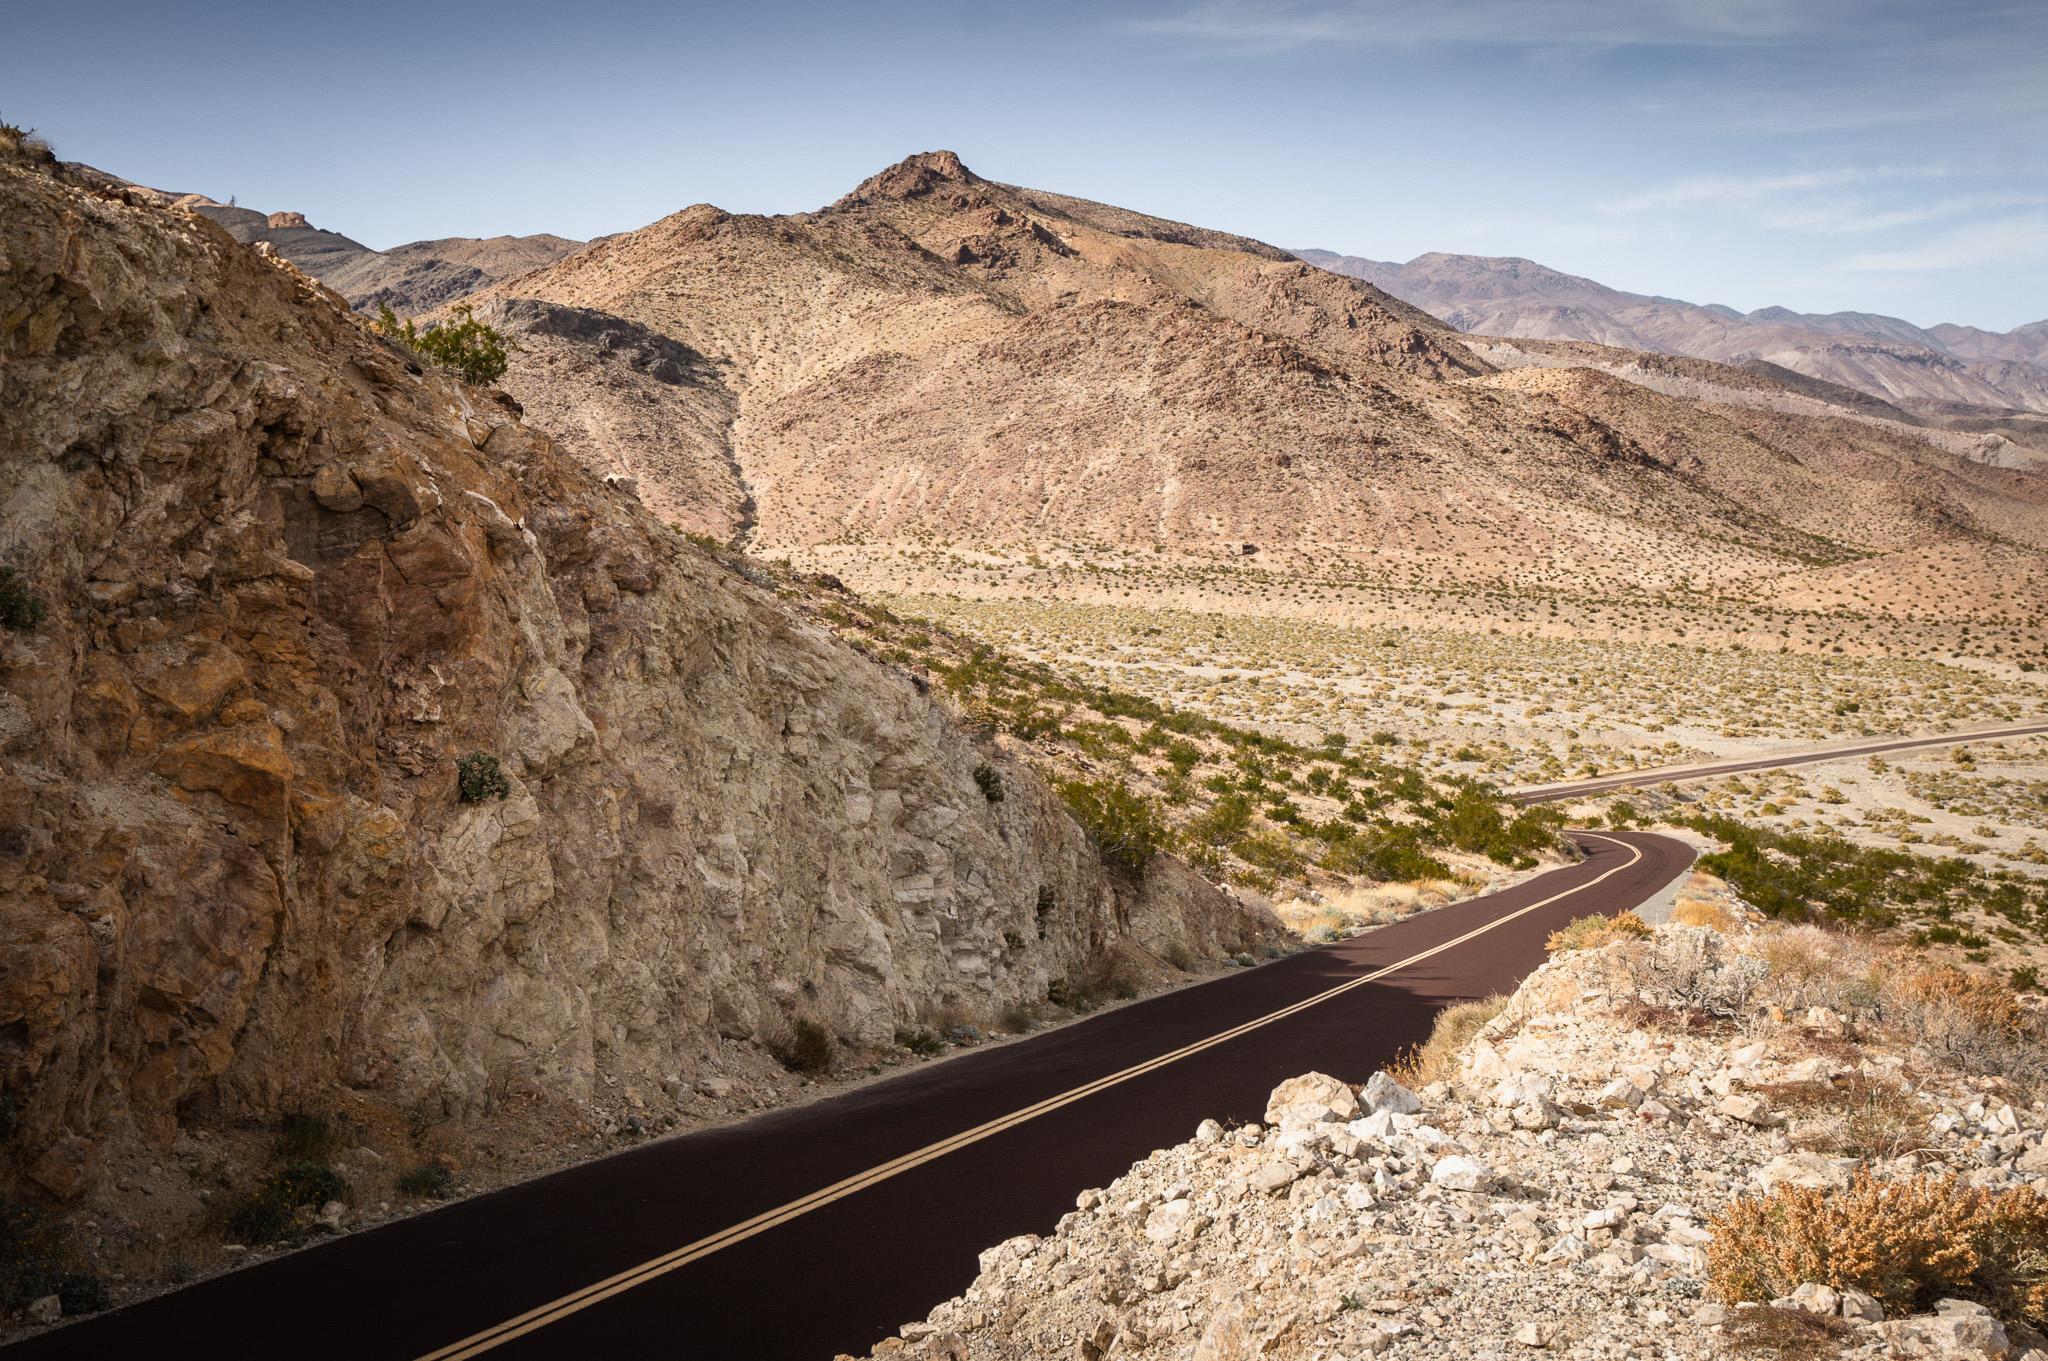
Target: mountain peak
{"points": [[915, 176]]}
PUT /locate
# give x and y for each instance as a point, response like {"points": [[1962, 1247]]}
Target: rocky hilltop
{"points": [[941, 383], [371, 756]]}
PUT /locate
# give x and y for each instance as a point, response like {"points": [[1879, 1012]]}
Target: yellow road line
{"points": [[498, 1334]]}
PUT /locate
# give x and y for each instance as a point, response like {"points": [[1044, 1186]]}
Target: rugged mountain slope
{"points": [[939, 363], [290, 581], [1884, 356]]}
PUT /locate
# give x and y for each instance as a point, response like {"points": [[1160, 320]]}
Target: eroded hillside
{"points": [[940, 383], [288, 582]]}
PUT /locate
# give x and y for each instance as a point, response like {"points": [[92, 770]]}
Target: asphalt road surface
{"points": [[1553, 793], [824, 1228]]}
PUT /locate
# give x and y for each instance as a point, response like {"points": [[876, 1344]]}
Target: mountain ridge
{"points": [[1885, 356]]}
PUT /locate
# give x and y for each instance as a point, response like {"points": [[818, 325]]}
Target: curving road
{"points": [[825, 1227], [1603, 784]]}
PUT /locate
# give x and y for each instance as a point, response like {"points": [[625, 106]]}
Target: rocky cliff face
{"points": [[291, 580]]}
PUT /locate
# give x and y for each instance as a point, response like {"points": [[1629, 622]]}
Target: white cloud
{"points": [[1847, 217], [1695, 190], [2008, 240], [1273, 24]]}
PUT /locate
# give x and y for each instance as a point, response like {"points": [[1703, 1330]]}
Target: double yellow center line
{"points": [[478, 1343]]}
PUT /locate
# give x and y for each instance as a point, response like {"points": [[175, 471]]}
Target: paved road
{"points": [[823, 1228], [1553, 793]]}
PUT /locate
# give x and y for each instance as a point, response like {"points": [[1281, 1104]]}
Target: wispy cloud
{"points": [[1279, 24], [1848, 217], [1697, 190], [2018, 239]]}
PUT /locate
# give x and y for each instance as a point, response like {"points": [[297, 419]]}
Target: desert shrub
{"points": [[990, 781], [478, 776], [428, 1181], [1180, 956], [1391, 854], [466, 347], [1017, 1019], [919, 1041], [1125, 826], [1590, 933], [303, 1136], [33, 1264], [20, 608], [270, 1212], [1183, 755], [1475, 822], [1906, 1242], [1436, 1059], [806, 1047], [1269, 851], [1687, 976], [1223, 822], [1799, 877], [1971, 1021], [1809, 966]]}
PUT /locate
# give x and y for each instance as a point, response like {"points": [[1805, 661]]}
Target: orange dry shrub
{"points": [[1700, 912], [1907, 1243], [1590, 933]]}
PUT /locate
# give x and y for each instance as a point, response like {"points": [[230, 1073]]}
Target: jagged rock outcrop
{"points": [[291, 579]]}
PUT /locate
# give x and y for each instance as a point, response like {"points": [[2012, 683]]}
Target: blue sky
{"points": [[1818, 154]]}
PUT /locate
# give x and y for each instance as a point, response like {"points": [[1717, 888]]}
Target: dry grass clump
{"points": [[1700, 912], [1355, 909], [1857, 1115], [1786, 1334], [1436, 1059], [1907, 1243], [1590, 933]]}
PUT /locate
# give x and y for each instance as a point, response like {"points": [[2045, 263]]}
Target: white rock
{"points": [[1312, 1098], [1460, 1173], [1164, 1224], [1382, 1093], [1815, 1298]]}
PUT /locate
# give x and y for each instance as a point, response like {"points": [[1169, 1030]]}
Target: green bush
{"points": [[303, 1136], [991, 781], [807, 1047], [32, 1265], [478, 776], [1392, 854], [466, 347], [270, 1212], [1225, 821], [1127, 829], [920, 1041], [428, 1181], [20, 610]]}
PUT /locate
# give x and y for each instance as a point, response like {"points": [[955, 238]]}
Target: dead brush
{"points": [[1436, 1059], [1786, 1334], [1856, 1115], [1968, 1021], [1906, 1242]]}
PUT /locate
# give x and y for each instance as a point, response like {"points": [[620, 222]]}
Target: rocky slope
{"points": [[290, 581], [1883, 356], [941, 364], [1567, 1189]]}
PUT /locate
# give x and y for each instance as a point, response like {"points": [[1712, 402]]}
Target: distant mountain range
{"points": [[410, 278], [1931, 370]]}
